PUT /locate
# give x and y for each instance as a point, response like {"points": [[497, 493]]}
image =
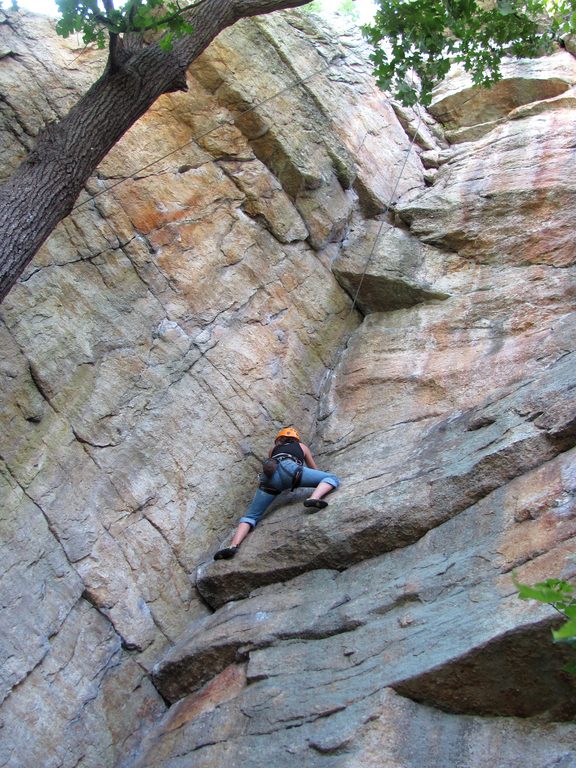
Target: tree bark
{"points": [[44, 188]]}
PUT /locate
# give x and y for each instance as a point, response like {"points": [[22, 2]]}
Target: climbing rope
{"points": [[195, 139], [208, 131], [324, 383], [329, 373], [385, 211]]}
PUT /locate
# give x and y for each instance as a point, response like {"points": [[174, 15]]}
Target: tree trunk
{"points": [[44, 188]]}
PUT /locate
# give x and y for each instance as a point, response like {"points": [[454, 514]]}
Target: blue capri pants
{"points": [[282, 480]]}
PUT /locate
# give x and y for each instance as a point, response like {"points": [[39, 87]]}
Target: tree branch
{"points": [[44, 188]]}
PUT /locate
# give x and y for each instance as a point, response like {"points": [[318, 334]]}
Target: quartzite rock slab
{"points": [[171, 324], [430, 620], [506, 198], [73, 708], [457, 103], [39, 587], [512, 527], [384, 730], [435, 452], [328, 121], [179, 310], [384, 268]]}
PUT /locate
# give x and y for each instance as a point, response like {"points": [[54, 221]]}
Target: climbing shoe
{"points": [[226, 554], [315, 503]]}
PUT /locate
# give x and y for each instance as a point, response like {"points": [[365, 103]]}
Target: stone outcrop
{"points": [[527, 85], [281, 244]]}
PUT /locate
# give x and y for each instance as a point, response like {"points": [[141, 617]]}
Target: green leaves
{"points": [[561, 596], [96, 20], [552, 591], [416, 41], [81, 17]]}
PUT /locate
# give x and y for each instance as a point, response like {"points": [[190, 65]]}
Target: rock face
{"points": [[280, 245]]}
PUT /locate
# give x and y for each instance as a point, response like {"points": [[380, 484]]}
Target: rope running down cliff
{"points": [[324, 383], [254, 107], [208, 131], [232, 121], [386, 208]]}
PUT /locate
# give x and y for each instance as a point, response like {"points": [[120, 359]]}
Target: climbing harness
{"points": [[269, 467], [296, 475], [288, 456]]}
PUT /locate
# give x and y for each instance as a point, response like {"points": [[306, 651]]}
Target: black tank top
{"points": [[292, 448]]}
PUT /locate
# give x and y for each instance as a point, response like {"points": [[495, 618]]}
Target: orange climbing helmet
{"points": [[288, 432]]}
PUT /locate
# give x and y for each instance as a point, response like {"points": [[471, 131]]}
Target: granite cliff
{"points": [[282, 244]]}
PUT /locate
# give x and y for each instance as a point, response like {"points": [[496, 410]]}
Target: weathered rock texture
{"points": [[199, 297]]}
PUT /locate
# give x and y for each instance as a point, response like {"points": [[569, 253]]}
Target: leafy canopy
{"points": [[416, 41], [95, 20]]}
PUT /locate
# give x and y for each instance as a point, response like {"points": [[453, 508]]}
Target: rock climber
{"points": [[289, 465]]}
